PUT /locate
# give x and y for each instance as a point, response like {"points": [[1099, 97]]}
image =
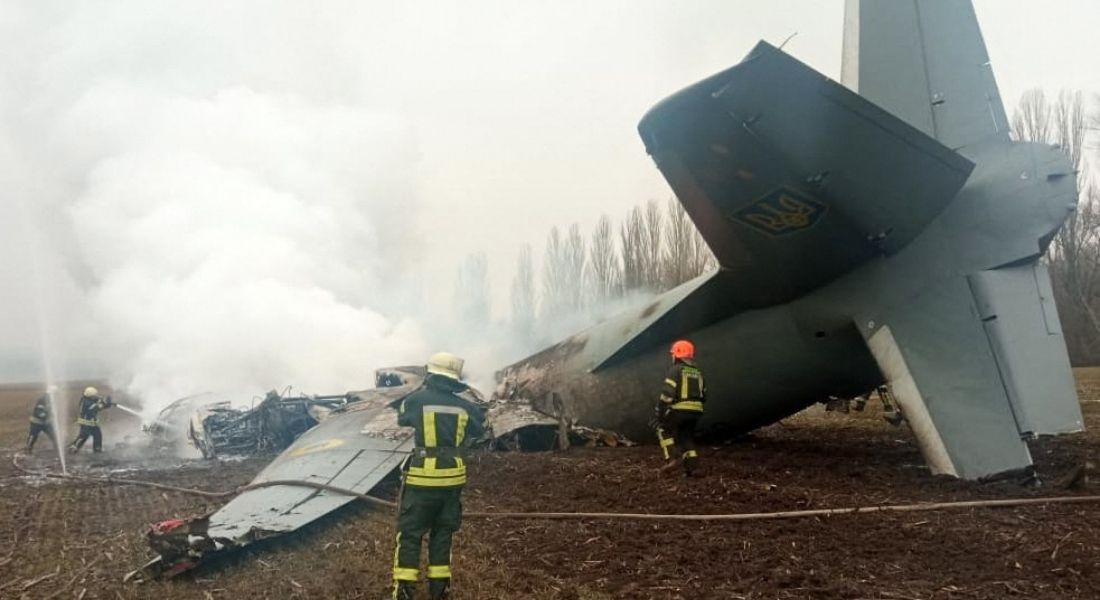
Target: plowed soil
{"points": [[76, 540]]}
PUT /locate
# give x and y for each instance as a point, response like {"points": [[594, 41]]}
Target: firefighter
{"points": [[434, 475], [88, 420], [41, 420], [679, 408]]}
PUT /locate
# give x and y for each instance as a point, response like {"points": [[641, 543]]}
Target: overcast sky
{"points": [[489, 121]]}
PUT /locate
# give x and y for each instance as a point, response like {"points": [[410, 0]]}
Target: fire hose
{"points": [[791, 514]]}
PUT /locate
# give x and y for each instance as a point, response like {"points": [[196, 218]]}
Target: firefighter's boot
{"points": [[669, 466], [404, 590], [691, 464], [440, 589]]}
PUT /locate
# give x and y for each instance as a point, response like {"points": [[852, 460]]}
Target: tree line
{"points": [[586, 277], [652, 250]]}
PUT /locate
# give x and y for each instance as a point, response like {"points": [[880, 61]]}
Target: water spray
{"points": [[55, 422], [128, 409], [44, 346]]}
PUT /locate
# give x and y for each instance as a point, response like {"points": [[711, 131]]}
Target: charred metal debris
{"points": [[216, 428]]}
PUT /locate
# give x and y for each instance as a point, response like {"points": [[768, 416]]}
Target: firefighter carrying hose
{"points": [[88, 420], [679, 408], [41, 420], [431, 497]]}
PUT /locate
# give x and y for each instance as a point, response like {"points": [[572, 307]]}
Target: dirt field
{"points": [[77, 540]]}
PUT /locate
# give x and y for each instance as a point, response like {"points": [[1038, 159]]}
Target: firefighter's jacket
{"points": [[444, 421], [40, 415], [89, 410], [683, 389]]}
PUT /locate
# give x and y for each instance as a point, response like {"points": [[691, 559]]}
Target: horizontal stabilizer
{"points": [[1021, 320], [792, 179], [937, 358]]}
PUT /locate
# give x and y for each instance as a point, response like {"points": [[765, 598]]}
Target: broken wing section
{"points": [[1018, 313], [353, 449], [792, 179], [925, 62], [934, 352]]}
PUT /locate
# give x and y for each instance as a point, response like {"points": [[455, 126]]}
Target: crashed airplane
{"points": [[887, 230]]}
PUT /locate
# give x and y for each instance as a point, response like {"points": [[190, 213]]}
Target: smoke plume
{"points": [[231, 217]]}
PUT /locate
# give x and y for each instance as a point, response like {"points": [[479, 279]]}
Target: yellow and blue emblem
{"points": [[321, 446], [781, 212]]}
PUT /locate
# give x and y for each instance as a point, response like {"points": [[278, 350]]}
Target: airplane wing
{"points": [[792, 179], [352, 449], [926, 63]]}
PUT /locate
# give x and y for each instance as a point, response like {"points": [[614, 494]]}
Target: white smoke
{"points": [[236, 219]]}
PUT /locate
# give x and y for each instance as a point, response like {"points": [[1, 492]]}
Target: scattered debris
{"points": [[350, 442]]}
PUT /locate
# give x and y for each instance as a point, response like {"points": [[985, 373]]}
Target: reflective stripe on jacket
{"points": [[443, 422], [684, 388], [89, 411]]}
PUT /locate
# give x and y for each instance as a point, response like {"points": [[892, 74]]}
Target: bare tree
{"points": [[652, 242], [1032, 119], [703, 259], [472, 290], [632, 249], [554, 276], [604, 269], [575, 256], [523, 296], [686, 255], [679, 245]]}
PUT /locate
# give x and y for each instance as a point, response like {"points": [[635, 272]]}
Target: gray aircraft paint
{"points": [[892, 235]]}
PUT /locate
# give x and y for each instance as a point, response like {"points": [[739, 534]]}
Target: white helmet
{"points": [[446, 364], [90, 392]]}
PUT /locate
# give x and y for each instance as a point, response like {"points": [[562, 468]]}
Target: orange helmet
{"points": [[682, 349]]}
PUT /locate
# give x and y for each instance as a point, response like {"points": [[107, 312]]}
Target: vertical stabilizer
{"points": [[924, 61]]}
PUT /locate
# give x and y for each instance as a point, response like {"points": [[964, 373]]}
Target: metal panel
{"points": [[353, 450], [1018, 312], [792, 179], [925, 62], [945, 351]]}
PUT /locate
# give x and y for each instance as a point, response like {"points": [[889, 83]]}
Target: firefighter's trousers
{"points": [[676, 434], [85, 431], [437, 512], [37, 428]]}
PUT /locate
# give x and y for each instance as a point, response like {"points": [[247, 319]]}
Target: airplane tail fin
{"points": [[926, 63]]}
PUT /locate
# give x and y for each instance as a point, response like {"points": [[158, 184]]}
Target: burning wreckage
{"points": [[215, 427], [350, 442]]}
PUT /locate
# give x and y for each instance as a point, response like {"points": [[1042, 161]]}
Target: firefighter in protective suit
{"points": [[88, 420], [679, 408], [431, 497], [41, 420]]}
